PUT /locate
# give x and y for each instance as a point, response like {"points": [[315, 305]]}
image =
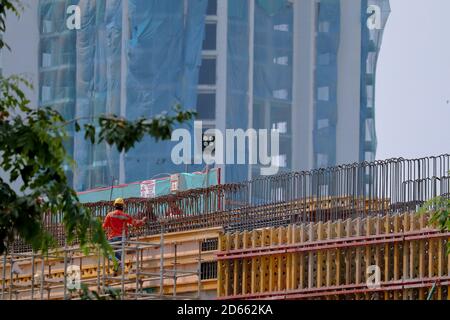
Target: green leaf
{"points": [[32, 149]]}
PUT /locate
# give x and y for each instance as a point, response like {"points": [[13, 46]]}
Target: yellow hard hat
{"points": [[119, 202]]}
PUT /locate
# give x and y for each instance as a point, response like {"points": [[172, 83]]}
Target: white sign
{"points": [[174, 182], [373, 274], [227, 145], [374, 20], [148, 189], [73, 22], [73, 278]]}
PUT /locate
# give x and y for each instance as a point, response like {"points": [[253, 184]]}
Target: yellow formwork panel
{"points": [[334, 260]]}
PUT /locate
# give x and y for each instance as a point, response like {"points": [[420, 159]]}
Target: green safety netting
{"points": [[325, 93], [273, 71], [152, 188], [81, 76], [164, 57]]}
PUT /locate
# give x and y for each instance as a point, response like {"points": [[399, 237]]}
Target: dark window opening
{"points": [[208, 270], [210, 244]]}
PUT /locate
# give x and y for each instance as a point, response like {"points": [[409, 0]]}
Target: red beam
{"points": [[395, 285]]}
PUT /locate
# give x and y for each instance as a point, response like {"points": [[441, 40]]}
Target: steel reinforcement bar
{"points": [[346, 191]]}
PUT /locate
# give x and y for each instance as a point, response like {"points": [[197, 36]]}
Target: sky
{"points": [[413, 81]]}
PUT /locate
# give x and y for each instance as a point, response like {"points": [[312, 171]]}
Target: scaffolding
{"points": [[67, 272]]}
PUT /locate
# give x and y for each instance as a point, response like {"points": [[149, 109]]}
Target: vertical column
{"points": [[319, 255], [387, 252], [303, 84], [222, 56], [358, 257], [348, 84], [396, 254], [272, 262], [254, 265], [251, 64], [339, 234], [422, 259], [123, 80], [329, 261], [311, 238], [244, 264], [302, 267], [236, 266], [367, 257]]}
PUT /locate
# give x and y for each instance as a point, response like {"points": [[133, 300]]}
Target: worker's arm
{"points": [[106, 222], [135, 222], [139, 223]]}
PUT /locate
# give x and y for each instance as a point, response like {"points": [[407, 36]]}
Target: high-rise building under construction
{"points": [[304, 67]]}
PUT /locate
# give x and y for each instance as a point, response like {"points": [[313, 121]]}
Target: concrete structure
{"points": [[327, 241]]}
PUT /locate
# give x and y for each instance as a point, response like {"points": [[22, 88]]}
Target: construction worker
{"points": [[116, 225]]}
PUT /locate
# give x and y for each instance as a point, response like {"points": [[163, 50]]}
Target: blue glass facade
{"points": [[326, 79], [237, 76], [273, 74], [326, 75], [272, 58], [80, 75], [57, 64], [164, 57], [171, 56], [98, 86]]}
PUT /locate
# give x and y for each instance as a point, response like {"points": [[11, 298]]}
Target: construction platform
{"points": [[301, 235], [169, 266]]}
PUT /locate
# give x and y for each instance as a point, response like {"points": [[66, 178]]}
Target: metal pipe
{"points": [[161, 262], [122, 262], [137, 270], [4, 275], [65, 273], [11, 279], [175, 271], [98, 269], [32, 274], [42, 278], [199, 269], [104, 273]]}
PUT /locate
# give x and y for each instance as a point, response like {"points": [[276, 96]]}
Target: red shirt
{"points": [[117, 221]]}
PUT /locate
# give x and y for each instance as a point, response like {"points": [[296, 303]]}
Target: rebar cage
{"points": [[341, 192]]}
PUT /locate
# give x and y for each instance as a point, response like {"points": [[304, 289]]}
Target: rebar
{"points": [[161, 262], [122, 262], [4, 276]]}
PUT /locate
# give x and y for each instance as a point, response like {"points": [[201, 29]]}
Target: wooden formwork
{"points": [[334, 260]]}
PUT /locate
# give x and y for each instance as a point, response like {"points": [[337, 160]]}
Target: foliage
{"points": [[440, 208], [110, 294], [13, 6], [440, 213], [32, 154]]}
